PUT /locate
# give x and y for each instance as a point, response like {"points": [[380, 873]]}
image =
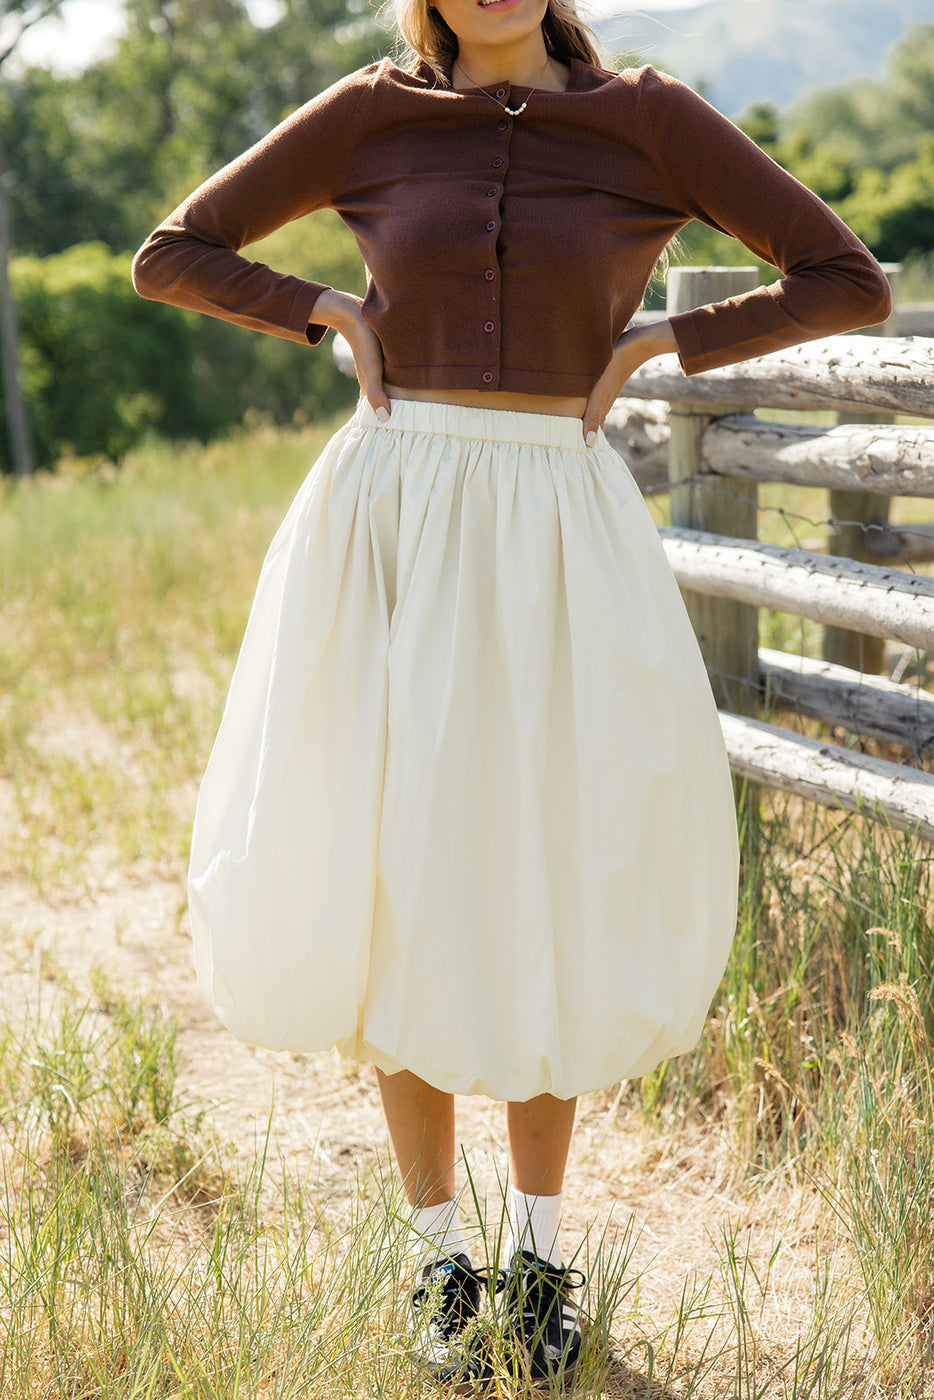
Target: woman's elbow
{"points": [[877, 301], [160, 265], [143, 272]]}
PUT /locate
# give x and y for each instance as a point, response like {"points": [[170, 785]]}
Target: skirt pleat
{"points": [[468, 812]]}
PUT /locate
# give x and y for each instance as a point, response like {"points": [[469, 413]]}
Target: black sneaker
{"points": [[543, 1321], [448, 1341]]}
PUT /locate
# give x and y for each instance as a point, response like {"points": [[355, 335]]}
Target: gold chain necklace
{"points": [[512, 111]]}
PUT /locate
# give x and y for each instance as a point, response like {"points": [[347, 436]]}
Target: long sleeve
{"points": [[193, 260], [711, 171]]}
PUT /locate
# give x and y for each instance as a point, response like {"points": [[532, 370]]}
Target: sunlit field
{"points": [[145, 1254]]}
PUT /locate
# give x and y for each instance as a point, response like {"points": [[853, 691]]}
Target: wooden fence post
{"points": [[852, 511], [728, 632]]}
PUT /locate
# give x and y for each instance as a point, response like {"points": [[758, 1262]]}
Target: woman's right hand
{"points": [[342, 311]]}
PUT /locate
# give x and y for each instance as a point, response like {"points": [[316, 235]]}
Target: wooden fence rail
{"points": [[825, 588], [857, 463], [825, 773], [884, 461], [869, 705], [844, 373]]}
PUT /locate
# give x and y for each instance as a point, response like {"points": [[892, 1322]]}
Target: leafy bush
{"points": [[100, 368]]}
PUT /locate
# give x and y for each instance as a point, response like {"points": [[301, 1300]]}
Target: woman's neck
{"points": [[525, 64]]}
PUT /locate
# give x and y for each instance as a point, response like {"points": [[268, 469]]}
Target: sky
{"points": [[87, 27], [67, 44]]}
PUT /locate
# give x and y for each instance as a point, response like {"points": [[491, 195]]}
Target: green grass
{"points": [[137, 1261]]}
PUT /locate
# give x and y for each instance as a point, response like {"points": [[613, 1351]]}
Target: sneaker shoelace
{"points": [[458, 1298], [546, 1321], [451, 1289]]}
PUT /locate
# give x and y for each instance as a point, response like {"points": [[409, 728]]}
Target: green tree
{"points": [[56, 197], [865, 148], [103, 155], [865, 123], [762, 122], [99, 158], [893, 211]]}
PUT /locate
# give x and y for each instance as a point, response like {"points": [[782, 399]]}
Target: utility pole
{"points": [[23, 15], [17, 422]]}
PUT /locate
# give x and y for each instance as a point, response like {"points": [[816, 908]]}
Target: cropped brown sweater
{"points": [[510, 252]]}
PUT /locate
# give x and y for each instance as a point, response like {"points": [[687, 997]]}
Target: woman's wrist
{"points": [[335, 309], [656, 338]]}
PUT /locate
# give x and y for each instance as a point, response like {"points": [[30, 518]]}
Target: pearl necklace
{"points": [[511, 111]]}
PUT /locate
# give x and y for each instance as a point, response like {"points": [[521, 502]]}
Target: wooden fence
{"points": [[698, 439]]}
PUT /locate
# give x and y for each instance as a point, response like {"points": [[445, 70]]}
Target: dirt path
{"points": [[682, 1191]]}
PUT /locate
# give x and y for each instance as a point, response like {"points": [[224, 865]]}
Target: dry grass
{"points": [[763, 1205]]}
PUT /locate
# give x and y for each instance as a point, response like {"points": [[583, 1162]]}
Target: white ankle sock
{"points": [[533, 1225], [436, 1233]]}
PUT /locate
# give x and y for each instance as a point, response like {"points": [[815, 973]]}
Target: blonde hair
{"points": [[427, 38]]}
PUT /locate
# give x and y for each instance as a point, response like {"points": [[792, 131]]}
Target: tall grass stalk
{"points": [[884, 1191]]}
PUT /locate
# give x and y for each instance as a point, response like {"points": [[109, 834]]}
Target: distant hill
{"points": [[743, 51]]}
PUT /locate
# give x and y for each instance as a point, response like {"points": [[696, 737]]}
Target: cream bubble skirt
{"points": [[468, 812]]}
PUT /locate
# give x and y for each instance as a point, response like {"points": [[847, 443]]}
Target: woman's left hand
{"points": [[634, 347]]}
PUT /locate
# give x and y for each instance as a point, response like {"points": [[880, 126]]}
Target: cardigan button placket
{"points": [[492, 327]]}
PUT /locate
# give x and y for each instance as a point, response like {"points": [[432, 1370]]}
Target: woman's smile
{"points": [[512, 27]]}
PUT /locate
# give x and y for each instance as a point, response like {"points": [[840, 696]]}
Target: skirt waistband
{"points": [[478, 424]]}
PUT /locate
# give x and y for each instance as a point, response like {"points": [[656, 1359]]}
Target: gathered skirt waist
{"points": [[479, 424]]}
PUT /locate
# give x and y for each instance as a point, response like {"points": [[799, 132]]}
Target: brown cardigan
{"points": [[510, 252]]}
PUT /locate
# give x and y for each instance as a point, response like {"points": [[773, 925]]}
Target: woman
{"points": [[468, 815]]}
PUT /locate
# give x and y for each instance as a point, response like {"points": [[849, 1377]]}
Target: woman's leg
{"points": [[539, 1138], [420, 1119], [544, 1322], [446, 1296]]}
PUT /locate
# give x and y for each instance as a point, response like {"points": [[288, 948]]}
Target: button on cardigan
{"points": [[520, 281]]}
